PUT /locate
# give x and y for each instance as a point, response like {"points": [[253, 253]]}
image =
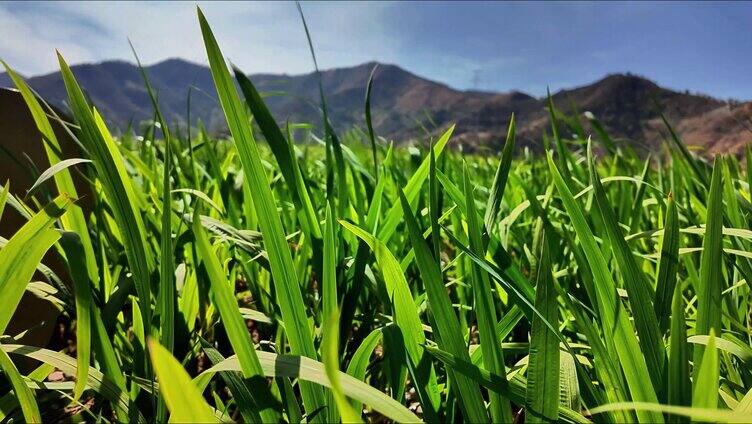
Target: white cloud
{"points": [[258, 37]]}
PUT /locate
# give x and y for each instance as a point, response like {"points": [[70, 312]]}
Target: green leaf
{"points": [[55, 169], [668, 265], [369, 124], [634, 281], [738, 349], [542, 397], [224, 300], [699, 414], [679, 385], [96, 380], [361, 358], [493, 205], [708, 373], [411, 189], [76, 256], [75, 219], [117, 187], [330, 310], [406, 318], [23, 252], [241, 392], [446, 325], [23, 393], [183, 398], [307, 369], [285, 156], [710, 284], [615, 322], [514, 390], [485, 310], [288, 293], [330, 354], [4, 198]]}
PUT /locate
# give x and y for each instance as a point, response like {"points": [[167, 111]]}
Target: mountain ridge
{"points": [[404, 104]]}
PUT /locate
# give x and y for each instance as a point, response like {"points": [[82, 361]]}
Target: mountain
{"points": [[404, 104]]}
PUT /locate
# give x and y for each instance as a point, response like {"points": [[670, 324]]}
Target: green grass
{"points": [[292, 274]]}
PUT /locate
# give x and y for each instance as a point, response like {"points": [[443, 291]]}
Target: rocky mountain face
{"points": [[405, 105]]}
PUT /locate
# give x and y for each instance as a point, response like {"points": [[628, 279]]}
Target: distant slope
{"points": [[405, 104]]}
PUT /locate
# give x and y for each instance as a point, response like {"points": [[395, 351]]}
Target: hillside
{"points": [[404, 104]]}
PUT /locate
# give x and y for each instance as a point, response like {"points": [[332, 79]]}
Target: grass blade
{"points": [[54, 170], [493, 205], [76, 257], [708, 373], [406, 318], [493, 355], [75, 220], [710, 283], [183, 398], [286, 159], [668, 265], [613, 315], [447, 326], [411, 189], [542, 396], [23, 252], [679, 385], [24, 395], [330, 299], [369, 124], [307, 369], [288, 292], [233, 321], [117, 187], [330, 354], [634, 281]]}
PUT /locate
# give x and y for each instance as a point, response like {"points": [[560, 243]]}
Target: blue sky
{"points": [[703, 47]]}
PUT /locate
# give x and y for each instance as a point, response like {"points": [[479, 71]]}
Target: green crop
{"points": [[296, 273]]}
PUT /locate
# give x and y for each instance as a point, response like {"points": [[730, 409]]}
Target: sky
{"points": [[700, 46]]}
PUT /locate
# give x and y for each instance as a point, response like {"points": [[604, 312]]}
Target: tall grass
{"points": [[278, 276]]}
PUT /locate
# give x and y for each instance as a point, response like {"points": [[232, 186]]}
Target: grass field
{"points": [[296, 274]]}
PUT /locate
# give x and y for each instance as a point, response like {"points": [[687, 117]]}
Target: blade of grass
{"points": [[307, 369], [679, 385], [288, 293], [668, 265], [634, 281], [75, 220], [361, 358], [330, 354], [183, 398], [286, 159], [708, 374], [493, 205], [330, 310], [76, 257], [23, 252], [369, 124], [542, 396], [485, 310], [4, 198], [407, 319], [117, 187], [225, 302], [241, 391], [447, 327], [710, 284], [411, 189], [514, 390], [613, 315], [24, 395]]}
